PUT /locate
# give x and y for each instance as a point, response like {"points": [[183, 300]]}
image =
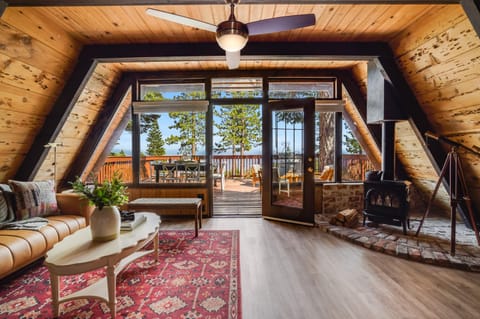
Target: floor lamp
{"points": [[452, 169], [54, 145]]}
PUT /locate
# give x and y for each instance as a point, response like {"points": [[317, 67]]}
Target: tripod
{"points": [[458, 187]]}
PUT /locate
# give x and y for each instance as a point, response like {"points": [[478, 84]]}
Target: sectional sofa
{"points": [[54, 217]]}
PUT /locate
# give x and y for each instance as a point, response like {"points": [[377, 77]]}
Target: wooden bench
{"points": [[163, 205]]}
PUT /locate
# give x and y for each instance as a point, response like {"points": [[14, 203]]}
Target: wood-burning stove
{"points": [[386, 202]]}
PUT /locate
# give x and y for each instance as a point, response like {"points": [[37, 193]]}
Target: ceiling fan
{"points": [[232, 35]]}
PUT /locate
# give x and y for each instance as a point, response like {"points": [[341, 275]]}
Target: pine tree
{"points": [[190, 125], [147, 120], [351, 143], [155, 143], [325, 147], [191, 128], [239, 129]]}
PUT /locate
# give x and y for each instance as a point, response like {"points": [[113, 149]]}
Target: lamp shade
{"points": [[232, 42], [232, 36]]}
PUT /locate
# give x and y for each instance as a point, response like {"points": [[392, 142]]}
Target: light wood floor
{"points": [[298, 272]]}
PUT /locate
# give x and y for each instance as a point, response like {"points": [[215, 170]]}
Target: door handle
{"points": [[310, 169]]}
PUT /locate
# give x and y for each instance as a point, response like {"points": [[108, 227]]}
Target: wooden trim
{"points": [[97, 132], [38, 3], [56, 118], [472, 10]]}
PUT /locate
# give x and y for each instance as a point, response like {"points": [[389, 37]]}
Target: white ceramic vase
{"points": [[105, 223]]}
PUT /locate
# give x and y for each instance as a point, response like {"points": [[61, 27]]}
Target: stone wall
{"points": [[340, 196]]}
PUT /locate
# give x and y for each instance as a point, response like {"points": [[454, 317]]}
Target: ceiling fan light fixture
{"points": [[232, 36]]}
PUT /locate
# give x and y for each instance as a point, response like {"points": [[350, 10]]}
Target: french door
{"points": [[288, 161]]}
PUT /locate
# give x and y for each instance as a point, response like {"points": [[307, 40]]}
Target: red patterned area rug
{"points": [[195, 278]]}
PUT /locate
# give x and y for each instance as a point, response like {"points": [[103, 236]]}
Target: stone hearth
{"points": [[432, 246]]}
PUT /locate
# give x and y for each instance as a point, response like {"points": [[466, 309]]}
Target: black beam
{"points": [[360, 102], [98, 130], [408, 102], [113, 140], [472, 10], [56, 118], [155, 76], [347, 79], [388, 151], [3, 7], [255, 51], [37, 3], [135, 139], [338, 147]]}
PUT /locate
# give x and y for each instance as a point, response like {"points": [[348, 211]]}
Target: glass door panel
{"points": [[287, 158], [288, 193]]}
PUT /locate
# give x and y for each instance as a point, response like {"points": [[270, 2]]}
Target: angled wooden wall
{"points": [[35, 62], [440, 59]]}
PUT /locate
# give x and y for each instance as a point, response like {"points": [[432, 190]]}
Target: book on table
{"points": [[132, 224]]}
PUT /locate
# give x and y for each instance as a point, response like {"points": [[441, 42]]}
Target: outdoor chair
{"points": [[256, 175], [219, 174], [282, 181], [191, 172], [169, 173]]}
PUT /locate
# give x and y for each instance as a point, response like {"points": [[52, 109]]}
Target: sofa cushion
{"points": [[34, 199]]}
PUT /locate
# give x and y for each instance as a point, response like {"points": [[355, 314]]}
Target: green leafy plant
{"points": [[108, 193]]}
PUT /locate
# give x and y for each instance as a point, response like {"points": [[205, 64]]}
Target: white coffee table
{"points": [[77, 254]]}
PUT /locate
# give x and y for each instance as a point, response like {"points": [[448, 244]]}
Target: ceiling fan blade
{"points": [[280, 24], [181, 20], [233, 59]]}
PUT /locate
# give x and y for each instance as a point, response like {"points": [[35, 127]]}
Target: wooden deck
{"points": [[240, 198]]}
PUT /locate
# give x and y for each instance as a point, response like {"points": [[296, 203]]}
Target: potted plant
{"points": [[106, 196]]}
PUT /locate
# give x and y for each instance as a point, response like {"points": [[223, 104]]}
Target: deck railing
{"points": [[354, 166]]}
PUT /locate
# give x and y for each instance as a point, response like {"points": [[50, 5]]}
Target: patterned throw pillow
{"points": [[34, 199], [7, 202], [4, 209]]}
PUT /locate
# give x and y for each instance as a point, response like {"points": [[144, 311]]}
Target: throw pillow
{"points": [[7, 198], [34, 199], [4, 209]]}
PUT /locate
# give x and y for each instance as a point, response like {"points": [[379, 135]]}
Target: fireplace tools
{"points": [[458, 188]]}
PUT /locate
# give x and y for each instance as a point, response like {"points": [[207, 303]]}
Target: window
{"points": [[325, 143], [172, 91], [172, 132], [354, 160], [227, 88], [300, 89]]}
